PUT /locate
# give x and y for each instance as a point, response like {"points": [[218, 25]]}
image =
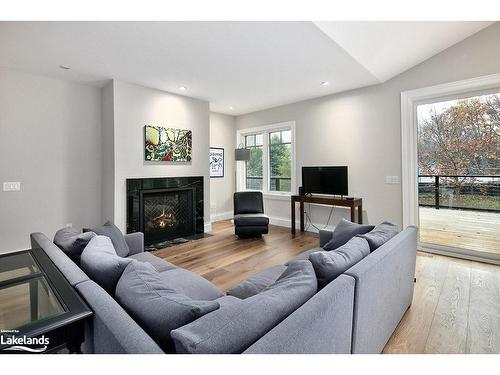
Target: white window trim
{"points": [[409, 158], [240, 166]]}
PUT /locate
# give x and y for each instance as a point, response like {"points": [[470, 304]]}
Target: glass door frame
{"points": [[409, 160]]}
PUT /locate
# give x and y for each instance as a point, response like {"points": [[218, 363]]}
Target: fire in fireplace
{"points": [[167, 214]]}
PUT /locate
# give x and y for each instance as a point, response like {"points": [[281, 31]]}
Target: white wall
{"points": [[361, 128], [49, 141], [222, 134], [136, 106]]}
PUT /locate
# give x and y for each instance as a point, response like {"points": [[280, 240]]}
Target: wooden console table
{"points": [[329, 201]]}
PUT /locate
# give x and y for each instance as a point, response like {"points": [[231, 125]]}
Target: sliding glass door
{"points": [[459, 175]]}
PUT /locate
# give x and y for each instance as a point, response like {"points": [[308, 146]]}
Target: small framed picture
{"points": [[216, 162]]}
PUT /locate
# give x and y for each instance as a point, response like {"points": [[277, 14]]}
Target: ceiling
{"points": [[239, 67]]}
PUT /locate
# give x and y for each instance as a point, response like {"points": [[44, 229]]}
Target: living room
{"points": [[265, 187]]}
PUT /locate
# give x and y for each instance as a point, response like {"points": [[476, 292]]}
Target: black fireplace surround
{"points": [[165, 208]]}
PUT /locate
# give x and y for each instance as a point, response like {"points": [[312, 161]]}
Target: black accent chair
{"points": [[249, 218]]}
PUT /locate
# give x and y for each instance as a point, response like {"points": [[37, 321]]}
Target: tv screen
{"points": [[324, 180]]}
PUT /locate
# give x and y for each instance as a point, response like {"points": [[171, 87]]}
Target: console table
{"points": [[329, 201]]}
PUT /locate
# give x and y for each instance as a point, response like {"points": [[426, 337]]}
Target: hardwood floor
{"points": [[455, 309], [225, 260], [456, 303]]}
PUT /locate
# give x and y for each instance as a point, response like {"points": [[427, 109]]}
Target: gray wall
{"points": [[49, 141], [361, 128], [134, 107], [222, 134]]}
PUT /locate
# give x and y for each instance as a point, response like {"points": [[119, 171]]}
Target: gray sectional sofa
{"points": [[355, 313]]}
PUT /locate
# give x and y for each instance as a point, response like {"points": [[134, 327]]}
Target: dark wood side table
{"points": [[353, 204], [36, 302]]}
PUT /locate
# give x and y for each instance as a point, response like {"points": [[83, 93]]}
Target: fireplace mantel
{"points": [[139, 188]]}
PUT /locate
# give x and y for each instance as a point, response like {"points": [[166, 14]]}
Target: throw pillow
{"points": [[257, 283], [156, 307], [328, 265], [100, 262], [380, 234], [112, 231], [237, 325], [343, 232], [72, 242], [190, 284]]}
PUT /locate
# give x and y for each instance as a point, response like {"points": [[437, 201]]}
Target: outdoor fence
{"points": [[478, 192]]}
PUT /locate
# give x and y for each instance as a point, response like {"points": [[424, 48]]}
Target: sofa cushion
{"points": [[236, 326], [190, 284], [225, 301], [154, 306], [251, 220], [380, 234], [257, 283], [112, 231], [72, 242], [100, 262], [159, 264], [343, 232], [304, 255], [328, 265]]}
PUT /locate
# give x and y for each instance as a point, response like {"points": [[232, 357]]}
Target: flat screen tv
{"points": [[324, 180]]}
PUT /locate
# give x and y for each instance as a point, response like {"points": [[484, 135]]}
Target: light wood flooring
{"points": [[456, 303], [474, 230]]}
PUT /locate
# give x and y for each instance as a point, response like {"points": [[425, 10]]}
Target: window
{"points": [[270, 168], [253, 167], [280, 161]]}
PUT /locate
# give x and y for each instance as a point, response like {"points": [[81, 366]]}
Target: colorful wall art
{"points": [[167, 144]]}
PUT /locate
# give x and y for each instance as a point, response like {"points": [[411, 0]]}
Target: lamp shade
{"points": [[242, 154]]}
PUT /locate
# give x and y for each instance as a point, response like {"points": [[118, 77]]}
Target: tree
{"points": [[463, 139]]}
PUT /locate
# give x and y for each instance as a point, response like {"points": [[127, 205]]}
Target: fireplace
{"points": [[166, 214], [166, 208]]}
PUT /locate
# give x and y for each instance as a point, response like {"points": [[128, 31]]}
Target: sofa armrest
{"points": [[321, 325], [384, 291], [135, 242], [325, 235]]}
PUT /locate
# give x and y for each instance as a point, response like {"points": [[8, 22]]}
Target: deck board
{"points": [[472, 230]]}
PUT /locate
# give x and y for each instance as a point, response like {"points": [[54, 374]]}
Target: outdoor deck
{"points": [[474, 230]]}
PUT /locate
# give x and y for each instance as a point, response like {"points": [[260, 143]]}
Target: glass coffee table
{"points": [[39, 310]]}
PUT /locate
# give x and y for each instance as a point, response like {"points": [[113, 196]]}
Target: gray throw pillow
{"points": [[328, 265], [237, 325], [100, 262], [257, 283], [156, 307], [380, 234], [344, 231], [111, 230], [190, 284], [72, 242]]}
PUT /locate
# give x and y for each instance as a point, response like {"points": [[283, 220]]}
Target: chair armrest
{"points": [[325, 235], [135, 242]]}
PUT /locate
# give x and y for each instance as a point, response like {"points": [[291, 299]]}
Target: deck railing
{"points": [[466, 192]]}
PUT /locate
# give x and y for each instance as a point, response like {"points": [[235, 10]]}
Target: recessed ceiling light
{"points": [[65, 67], [183, 88], [231, 107], [325, 83]]}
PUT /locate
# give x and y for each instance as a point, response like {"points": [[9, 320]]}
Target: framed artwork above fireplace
{"points": [[167, 144]]}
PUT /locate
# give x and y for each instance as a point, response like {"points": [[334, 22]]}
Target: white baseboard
{"points": [[222, 216], [286, 222], [207, 227]]}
